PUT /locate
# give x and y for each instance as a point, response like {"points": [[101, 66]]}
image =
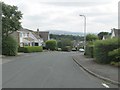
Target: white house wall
{"points": [[113, 34], [22, 40]]}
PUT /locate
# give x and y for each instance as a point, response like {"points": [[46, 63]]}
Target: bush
{"points": [[114, 55], [89, 51], [30, 49], [102, 48], [64, 42], [117, 64], [51, 44], [9, 46], [66, 48], [20, 49]]}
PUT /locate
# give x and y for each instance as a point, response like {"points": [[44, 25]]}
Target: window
{"points": [[20, 34]]}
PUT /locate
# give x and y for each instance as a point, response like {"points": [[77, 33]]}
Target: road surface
{"points": [[47, 70]]}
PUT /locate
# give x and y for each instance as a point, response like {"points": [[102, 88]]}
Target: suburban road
{"points": [[47, 70]]}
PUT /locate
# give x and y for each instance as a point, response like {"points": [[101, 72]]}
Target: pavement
{"points": [[105, 72]]}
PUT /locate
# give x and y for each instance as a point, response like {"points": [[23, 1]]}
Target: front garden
{"points": [[104, 51]]}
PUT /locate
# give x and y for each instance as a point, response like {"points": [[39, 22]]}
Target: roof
{"points": [[25, 30], [117, 32], [29, 39], [34, 33]]}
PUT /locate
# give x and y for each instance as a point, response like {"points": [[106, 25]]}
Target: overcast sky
{"points": [[102, 15]]}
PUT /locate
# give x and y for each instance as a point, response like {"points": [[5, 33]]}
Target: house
{"points": [[43, 34], [26, 37], [115, 33], [105, 37]]}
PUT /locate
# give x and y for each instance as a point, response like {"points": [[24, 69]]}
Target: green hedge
{"points": [[114, 55], [30, 49], [9, 46], [102, 48], [66, 48], [51, 44], [89, 51], [20, 49]]}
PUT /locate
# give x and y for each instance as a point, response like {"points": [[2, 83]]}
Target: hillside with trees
{"points": [[70, 37]]}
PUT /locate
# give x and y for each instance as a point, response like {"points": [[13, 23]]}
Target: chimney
{"points": [[38, 31]]}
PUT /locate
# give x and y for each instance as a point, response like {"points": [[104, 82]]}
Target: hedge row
{"points": [[30, 49], [9, 46], [102, 49], [89, 51], [115, 55]]}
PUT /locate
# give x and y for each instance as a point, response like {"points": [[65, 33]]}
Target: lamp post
{"points": [[84, 30]]}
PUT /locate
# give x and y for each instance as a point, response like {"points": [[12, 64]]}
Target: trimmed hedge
{"points": [[20, 49], [102, 48], [66, 48], [51, 44], [9, 46], [114, 55], [89, 51], [30, 49]]}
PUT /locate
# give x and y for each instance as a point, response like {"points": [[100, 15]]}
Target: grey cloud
{"points": [[75, 4], [110, 19]]}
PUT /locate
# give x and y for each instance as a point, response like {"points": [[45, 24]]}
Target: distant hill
{"points": [[60, 32]]}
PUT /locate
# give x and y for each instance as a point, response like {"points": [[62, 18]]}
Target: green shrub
{"points": [[117, 64], [102, 48], [51, 44], [20, 49], [64, 42], [114, 55], [9, 46], [29, 49], [66, 48], [89, 51]]}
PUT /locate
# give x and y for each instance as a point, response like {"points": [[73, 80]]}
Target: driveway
{"points": [[47, 70]]}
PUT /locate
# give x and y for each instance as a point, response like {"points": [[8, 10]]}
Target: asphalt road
{"points": [[46, 70]]}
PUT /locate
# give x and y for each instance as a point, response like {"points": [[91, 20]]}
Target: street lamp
{"points": [[84, 30]]}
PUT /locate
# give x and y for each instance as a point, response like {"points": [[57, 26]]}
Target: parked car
{"points": [[74, 49], [81, 50]]}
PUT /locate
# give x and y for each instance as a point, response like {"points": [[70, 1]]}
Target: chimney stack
{"points": [[38, 31]]}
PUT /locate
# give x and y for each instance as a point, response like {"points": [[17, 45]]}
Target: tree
{"points": [[101, 34], [64, 42], [51, 44], [11, 17], [91, 37]]}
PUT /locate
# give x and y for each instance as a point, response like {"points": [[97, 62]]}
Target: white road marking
{"points": [[105, 85]]}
